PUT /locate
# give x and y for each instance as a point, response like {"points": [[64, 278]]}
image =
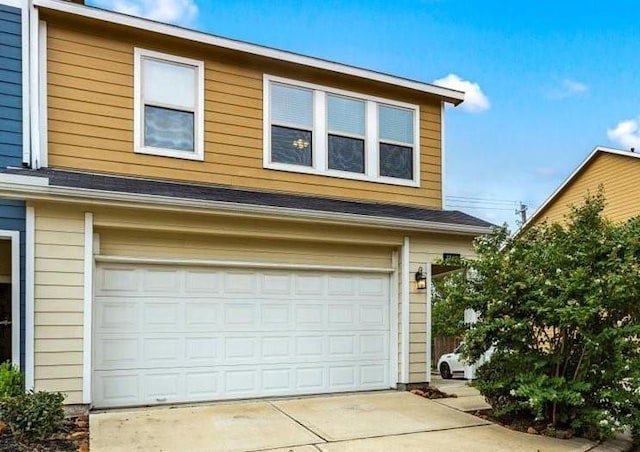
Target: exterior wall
{"points": [[12, 213], [59, 267], [59, 300], [620, 179], [90, 116], [10, 87], [423, 249]]}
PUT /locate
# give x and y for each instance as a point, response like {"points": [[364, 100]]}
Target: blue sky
{"points": [[548, 80]]}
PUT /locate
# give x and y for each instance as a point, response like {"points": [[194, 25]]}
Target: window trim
{"points": [[320, 135], [138, 107]]}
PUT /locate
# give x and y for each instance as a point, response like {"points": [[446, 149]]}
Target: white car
{"points": [[450, 365]]}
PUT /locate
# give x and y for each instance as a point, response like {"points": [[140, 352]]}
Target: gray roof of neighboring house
{"points": [[133, 185]]}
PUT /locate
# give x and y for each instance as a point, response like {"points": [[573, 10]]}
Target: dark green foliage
{"points": [[34, 415], [561, 304], [11, 380]]}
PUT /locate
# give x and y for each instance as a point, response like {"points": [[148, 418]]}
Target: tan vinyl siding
{"points": [[59, 280], [620, 178], [244, 226], [90, 116], [423, 249], [181, 246]]}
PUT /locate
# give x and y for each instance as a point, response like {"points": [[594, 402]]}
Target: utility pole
{"points": [[522, 211]]}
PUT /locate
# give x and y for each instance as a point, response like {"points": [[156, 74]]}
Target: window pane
{"points": [[292, 105], [346, 154], [290, 146], [345, 115], [396, 124], [169, 129], [168, 83], [396, 161]]}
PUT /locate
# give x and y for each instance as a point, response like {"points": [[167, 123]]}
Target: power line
{"points": [[480, 207], [472, 198], [491, 203]]}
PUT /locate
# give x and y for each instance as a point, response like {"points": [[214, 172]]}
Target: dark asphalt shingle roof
{"points": [[102, 182]]}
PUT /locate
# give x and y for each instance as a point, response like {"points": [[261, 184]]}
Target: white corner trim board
{"points": [[26, 92], [428, 300], [88, 304], [29, 298], [42, 94], [34, 86], [394, 318], [405, 300]]}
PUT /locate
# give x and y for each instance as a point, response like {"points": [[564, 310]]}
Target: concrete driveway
{"points": [[379, 421]]}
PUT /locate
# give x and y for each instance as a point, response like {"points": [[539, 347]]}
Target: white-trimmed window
{"points": [[168, 105], [319, 130]]}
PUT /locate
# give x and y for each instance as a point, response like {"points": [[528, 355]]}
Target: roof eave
{"points": [[448, 95], [40, 191]]}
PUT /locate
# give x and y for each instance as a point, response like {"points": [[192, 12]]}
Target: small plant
{"points": [[33, 415], [11, 380]]}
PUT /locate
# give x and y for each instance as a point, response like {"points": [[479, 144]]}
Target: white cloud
{"points": [[626, 133], [179, 12], [474, 99], [568, 88]]}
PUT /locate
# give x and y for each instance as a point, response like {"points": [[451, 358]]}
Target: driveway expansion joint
{"points": [[299, 423]]}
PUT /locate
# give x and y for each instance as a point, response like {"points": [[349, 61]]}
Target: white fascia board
{"points": [[89, 196], [597, 150], [450, 95]]}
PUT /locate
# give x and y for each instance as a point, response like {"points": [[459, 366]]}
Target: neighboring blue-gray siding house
{"points": [[12, 212]]}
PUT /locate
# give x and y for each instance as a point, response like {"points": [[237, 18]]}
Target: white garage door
{"points": [[169, 334]]}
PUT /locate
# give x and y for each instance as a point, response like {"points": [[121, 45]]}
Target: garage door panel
{"points": [[116, 352], [239, 315], [203, 313], [117, 279], [202, 350], [115, 315], [276, 284], [202, 282], [240, 283], [164, 334]]}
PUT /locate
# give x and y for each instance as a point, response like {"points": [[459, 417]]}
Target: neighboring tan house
{"points": [[209, 219], [615, 170]]}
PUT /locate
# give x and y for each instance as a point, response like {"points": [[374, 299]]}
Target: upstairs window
{"points": [[168, 106], [318, 130]]}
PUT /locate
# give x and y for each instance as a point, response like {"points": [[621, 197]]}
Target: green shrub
{"points": [[11, 380], [33, 415], [559, 302]]}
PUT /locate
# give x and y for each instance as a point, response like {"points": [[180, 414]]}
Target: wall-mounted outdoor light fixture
{"points": [[421, 279]]}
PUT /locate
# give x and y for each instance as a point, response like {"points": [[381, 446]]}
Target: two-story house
{"points": [[14, 138], [212, 219]]}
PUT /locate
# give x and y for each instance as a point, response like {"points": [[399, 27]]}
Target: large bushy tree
{"points": [[561, 306]]}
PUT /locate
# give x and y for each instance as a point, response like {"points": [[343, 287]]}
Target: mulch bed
{"points": [[429, 392], [525, 425], [74, 438]]}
